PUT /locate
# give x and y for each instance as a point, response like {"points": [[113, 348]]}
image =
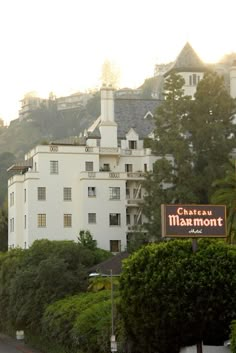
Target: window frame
{"points": [[89, 166], [128, 168], [113, 195], [54, 167], [92, 218], [41, 220], [67, 220], [91, 191], [67, 193], [41, 193], [115, 245], [114, 219]]}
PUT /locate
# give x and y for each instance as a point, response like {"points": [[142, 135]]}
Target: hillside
{"points": [[42, 126]]}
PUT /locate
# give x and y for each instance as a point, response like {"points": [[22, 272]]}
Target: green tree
{"points": [[212, 131], [225, 194], [6, 160], [85, 238], [193, 139], [4, 227], [48, 271], [170, 179], [172, 297]]}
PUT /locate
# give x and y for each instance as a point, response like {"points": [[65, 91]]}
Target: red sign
{"points": [[193, 221]]}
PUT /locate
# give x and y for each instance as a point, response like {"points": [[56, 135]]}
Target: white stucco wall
{"points": [[72, 173]]}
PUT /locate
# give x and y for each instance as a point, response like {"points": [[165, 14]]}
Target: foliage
{"points": [[4, 227], [172, 297], [6, 160], [31, 279], [9, 263], [86, 239], [233, 337], [225, 194], [148, 88], [81, 322], [193, 139]]}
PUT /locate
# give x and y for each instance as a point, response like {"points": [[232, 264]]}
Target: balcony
{"points": [[19, 178], [135, 228], [135, 175], [102, 175], [109, 151], [133, 202], [112, 175]]}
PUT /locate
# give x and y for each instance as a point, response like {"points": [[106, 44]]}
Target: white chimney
{"points": [[108, 126]]}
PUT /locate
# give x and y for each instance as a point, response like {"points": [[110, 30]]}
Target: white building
{"points": [[85, 184]]}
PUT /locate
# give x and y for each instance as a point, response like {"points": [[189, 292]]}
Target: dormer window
{"points": [[194, 79], [133, 145]]}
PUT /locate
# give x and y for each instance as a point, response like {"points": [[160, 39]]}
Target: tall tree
{"points": [[225, 194], [212, 132], [4, 227], [193, 139]]}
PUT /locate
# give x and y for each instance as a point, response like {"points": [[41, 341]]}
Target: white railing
{"points": [[109, 150], [135, 174]]}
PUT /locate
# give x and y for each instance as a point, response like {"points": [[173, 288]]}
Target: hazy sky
{"points": [[60, 45]]}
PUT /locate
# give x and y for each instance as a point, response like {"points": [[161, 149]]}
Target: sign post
{"points": [[194, 221]]}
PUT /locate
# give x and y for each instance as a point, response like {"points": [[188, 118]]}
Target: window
{"points": [[91, 191], [127, 193], [67, 194], [105, 168], [127, 218], [41, 220], [11, 198], [115, 245], [41, 193], [67, 220], [128, 168], [132, 145], [114, 193], [91, 218], [89, 166], [53, 167], [190, 80], [145, 167], [12, 225], [114, 219]]}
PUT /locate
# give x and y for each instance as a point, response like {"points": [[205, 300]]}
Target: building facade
{"points": [[89, 184]]}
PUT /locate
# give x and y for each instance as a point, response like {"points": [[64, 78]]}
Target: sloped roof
{"points": [[187, 61], [114, 264], [132, 113], [21, 166], [72, 140]]}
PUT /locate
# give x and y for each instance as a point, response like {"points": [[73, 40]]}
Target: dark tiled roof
{"points": [[114, 264], [73, 140], [187, 60], [132, 113]]}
